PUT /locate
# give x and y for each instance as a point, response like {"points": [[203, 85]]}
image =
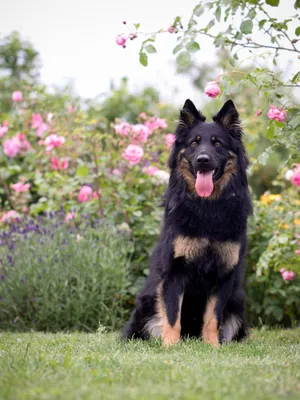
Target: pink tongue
{"points": [[204, 183]]}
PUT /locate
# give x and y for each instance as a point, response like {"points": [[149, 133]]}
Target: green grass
{"points": [[100, 366]]}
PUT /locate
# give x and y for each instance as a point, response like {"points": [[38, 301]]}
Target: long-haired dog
{"points": [[195, 285]]}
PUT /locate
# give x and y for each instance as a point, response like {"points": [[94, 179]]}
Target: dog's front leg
{"points": [[213, 315], [171, 301]]}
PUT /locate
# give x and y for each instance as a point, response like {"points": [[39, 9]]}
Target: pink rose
{"points": [[170, 139], [287, 275], [5, 123], [53, 141], [54, 163], [17, 96], [85, 194], [212, 89], [64, 164], [36, 120], [70, 108], [258, 113], [24, 144], [21, 187], [70, 216], [123, 128], [296, 175], [143, 115], [140, 133], [171, 29], [121, 39], [12, 147], [297, 252], [150, 170], [277, 114], [3, 130], [9, 215], [155, 123], [133, 154], [95, 195]]}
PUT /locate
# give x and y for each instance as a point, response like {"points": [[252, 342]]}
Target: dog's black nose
{"points": [[203, 159]]}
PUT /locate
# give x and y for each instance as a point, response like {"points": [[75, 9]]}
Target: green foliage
{"points": [[63, 276]]}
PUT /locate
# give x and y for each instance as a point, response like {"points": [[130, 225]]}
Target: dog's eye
{"points": [[218, 144], [194, 144]]}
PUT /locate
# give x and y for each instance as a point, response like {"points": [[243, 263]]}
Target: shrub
{"points": [[57, 275]]}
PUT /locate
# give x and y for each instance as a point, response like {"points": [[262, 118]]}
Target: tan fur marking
{"points": [[229, 171], [184, 170], [170, 334], [189, 247], [210, 324], [229, 252]]}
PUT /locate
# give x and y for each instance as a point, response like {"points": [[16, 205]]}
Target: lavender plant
{"points": [[57, 275]]}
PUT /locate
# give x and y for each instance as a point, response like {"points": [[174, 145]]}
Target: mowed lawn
{"points": [[100, 366]]}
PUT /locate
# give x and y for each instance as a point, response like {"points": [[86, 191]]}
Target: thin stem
{"points": [[7, 191]]}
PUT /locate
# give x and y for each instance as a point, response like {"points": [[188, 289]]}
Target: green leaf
{"points": [[297, 31], [273, 3], [297, 4], [218, 13], [262, 23], [177, 48], [246, 26], [137, 26], [252, 13], [198, 10], [263, 158], [82, 171], [296, 77], [183, 59], [192, 47], [150, 49], [144, 59]]}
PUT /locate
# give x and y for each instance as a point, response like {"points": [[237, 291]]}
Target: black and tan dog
{"points": [[195, 285]]}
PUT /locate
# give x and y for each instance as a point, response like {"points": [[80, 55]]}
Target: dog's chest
{"points": [[224, 253]]}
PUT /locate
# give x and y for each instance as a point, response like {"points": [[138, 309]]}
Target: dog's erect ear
{"points": [[189, 115], [228, 117]]}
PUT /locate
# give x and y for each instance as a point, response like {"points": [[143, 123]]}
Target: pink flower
{"points": [[156, 123], [70, 216], [258, 113], [123, 128], [24, 144], [277, 114], [150, 170], [297, 252], [140, 133], [121, 39], [3, 130], [212, 89], [53, 141], [21, 187], [116, 172], [5, 123], [64, 164], [170, 139], [85, 194], [95, 195], [171, 29], [41, 129], [143, 115], [56, 164], [36, 120], [296, 175], [133, 154], [287, 275], [9, 215], [11, 147], [70, 108], [17, 96]]}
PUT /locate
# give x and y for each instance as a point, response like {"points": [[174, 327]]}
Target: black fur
{"points": [[215, 220]]}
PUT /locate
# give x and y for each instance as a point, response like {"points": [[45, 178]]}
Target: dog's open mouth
{"points": [[205, 183]]}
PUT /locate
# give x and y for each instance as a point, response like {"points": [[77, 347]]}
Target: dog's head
{"points": [[209, 155]]}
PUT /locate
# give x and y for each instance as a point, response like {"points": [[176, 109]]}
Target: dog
{"points": [[195, 284]]}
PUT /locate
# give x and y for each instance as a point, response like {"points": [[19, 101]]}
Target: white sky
{"points": [[76, 40]]}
